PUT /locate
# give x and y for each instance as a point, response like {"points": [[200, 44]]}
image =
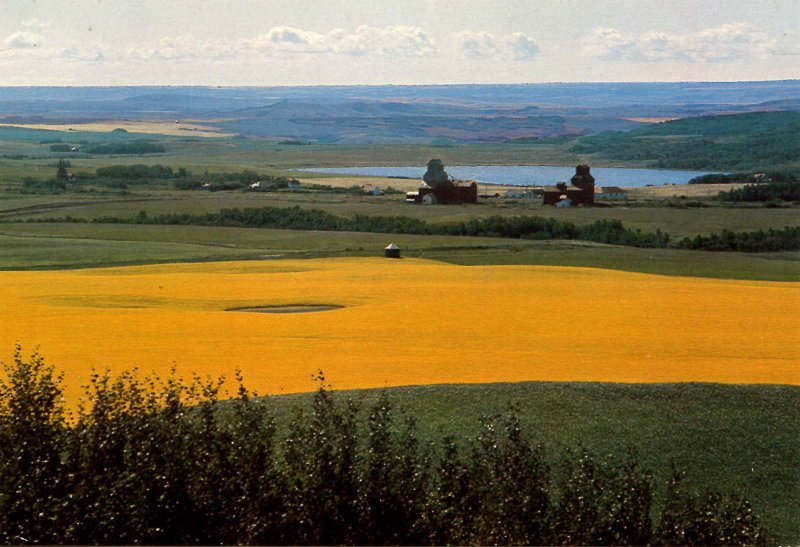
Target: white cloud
{"points": [[522, 46], [181, 47], [35, 25], [728, 42], [484, 45], [24, 40], [477, 45], [277, 42], [383, 41], [364, 41], [92, 53], [287, 40]]}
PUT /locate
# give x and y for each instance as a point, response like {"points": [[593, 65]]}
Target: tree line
{"points": [[749, 177], [149, 461], [608, 231], [787, 190], [520, 227], [786, 239]]}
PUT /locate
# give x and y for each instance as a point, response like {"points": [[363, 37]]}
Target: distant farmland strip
{"points": [[607, 231], [522, 227]]}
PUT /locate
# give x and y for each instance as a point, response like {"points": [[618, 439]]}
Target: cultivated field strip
{"points": [[404, 322]]}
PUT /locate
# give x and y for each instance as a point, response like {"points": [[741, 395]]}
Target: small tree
{"points": [[32, 427], [61, 170]]}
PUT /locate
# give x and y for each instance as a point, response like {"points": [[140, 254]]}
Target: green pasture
{"points": [[731, 438], [215, 155], [84, 245], [677, 222]]}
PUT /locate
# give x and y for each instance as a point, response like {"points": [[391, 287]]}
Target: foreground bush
{"points": [[165, 462]]}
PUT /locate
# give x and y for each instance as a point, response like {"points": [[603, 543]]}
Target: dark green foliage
{"points": [[509, 487], [126, 147], [165, 462], [777, 190], [297, 218], [32, 434], [232, 181], [53, 186], [707, 519], [60, 148], [723, 178], [603, 504], [136, 171], [786, 239], [61, 170], [755, 140]]}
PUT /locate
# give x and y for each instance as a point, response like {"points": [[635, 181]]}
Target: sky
{"points": [[401, 42]]}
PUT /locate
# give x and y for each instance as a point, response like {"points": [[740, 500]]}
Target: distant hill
{"points": [[737, 142], [396, 121], [398, 114]]}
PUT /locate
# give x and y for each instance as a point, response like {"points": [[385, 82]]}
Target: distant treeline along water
{"points": [[529, 175]]}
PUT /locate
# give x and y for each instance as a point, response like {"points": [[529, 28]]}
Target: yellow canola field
{"points": [[403, 322], [178, 129]]}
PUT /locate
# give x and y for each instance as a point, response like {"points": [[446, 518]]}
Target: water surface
{"points": [[529, 175]]}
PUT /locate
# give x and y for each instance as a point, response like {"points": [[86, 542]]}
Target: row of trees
{"points": [[527, 227], [145, 461], [138, 146], [233, 181], [786, 239], [788, 190], [749, 177], [140, 171]]}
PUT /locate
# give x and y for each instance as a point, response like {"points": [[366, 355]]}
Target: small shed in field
{"points": [[392, 251]]}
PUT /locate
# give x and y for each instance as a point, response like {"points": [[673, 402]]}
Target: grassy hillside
{"points": [[758, 141], [741, 438], [25, 246]]}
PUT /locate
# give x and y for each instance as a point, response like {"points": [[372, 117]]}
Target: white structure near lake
{"points": [[611, 192]]}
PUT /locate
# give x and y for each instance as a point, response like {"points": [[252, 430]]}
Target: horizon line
{"points": [[452, 84]]}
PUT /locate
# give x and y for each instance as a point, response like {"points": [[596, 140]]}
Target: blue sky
{"points": [[303, 42]]}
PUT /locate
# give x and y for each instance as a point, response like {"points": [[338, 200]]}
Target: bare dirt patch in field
{"points": [[649, 120], [293, 308]]}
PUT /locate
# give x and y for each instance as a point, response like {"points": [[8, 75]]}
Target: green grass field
{"points": [[733, 438], [677, 222], [71, 245]]}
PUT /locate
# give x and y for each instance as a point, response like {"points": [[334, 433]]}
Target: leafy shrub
{"points": [[771, 191], [724, 178], [129, 147], [786, 239], [166, 462], [137, 171], [60, 148], [36, 186]]}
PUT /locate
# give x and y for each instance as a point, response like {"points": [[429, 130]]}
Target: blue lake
{"points": [[529, 175]]}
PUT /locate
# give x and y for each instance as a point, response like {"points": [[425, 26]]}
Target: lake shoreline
{"points": [[524, 176]]}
